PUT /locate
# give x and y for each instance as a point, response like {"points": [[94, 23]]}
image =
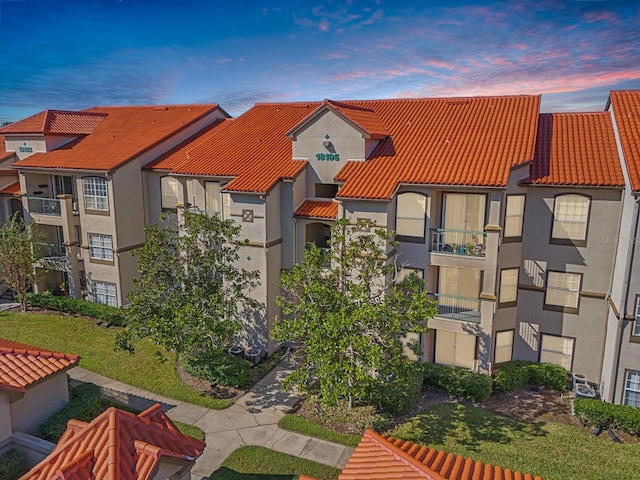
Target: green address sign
{"points": [[328, 157]]}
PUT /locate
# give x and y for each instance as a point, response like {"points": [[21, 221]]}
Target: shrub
{"points": [[104, 313], [217, 366], [399, 395], [84, 405], [622, 417], [352, 420], [517, 374], [11, 465], [458, 382]]}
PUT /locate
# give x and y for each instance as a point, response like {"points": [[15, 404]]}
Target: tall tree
{"points": [[20, 254], [190, 294], [350, 317]]}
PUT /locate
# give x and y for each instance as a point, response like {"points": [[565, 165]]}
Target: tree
{"points": [[349, 315], [190, 294], [20, 254]]}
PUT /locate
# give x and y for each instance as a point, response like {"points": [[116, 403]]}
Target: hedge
{"points": [[217, 366], [517, 374], [84, 405], [11, 465], [99, 311], [458, 382], [399, 395], [622, 417]]}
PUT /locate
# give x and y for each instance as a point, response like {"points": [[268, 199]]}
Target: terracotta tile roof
{"points": [[444, 141], [4, 155], [56, 122], [123, 134], [576, 149], [23, 365], [13, 189], [626, 109], [8, 172], [117, 445], [252, 148], [318, 209]]}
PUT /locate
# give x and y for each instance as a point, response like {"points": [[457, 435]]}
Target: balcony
{"points": [[44, 206], [53, 250], [208, 213], [458, 242], [464, 309]]}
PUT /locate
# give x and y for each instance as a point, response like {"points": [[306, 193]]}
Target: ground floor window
{"points": [[632, 389], [504, 347], [104, 292], [456, 349], [556, 350]]}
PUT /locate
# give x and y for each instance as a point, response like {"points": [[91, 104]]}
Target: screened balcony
{"points": [[452, 307], [53, 250], [44, 206], [458, 242]]}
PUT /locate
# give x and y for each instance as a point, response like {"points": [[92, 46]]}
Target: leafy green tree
{"points": [[190, 294], [20, 254], [349, 315]]}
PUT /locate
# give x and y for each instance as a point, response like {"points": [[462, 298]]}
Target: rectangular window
{"points": [[513, 217], [508, 287], [632, 389], [570, 218], [635, 331], [95, 193], [100, 247], [563, 291], [169, 191], [556, 350], [212, 197], [504, 347], [105, 293], [411, 211]]}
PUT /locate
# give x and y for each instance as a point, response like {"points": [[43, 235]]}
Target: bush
{"points": [[84, 405], [104, 313], [399, 395], [352, 420], [217, 366], [11, 466], [595, 412], [458, 382], [517, 374]]}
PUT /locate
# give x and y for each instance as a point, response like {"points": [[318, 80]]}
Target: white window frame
{"points": [[402, 233], [568, 285], [563, 353], [569, 211], [101, 247], [105, 293], [500, 350], [510, 288], [169, 193], [95, 193], [632, 386], [514, 217]]}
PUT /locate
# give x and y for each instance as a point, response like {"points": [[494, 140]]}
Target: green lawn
{"points": [[259, 463], [296, 423], [96, 347], [550, 450]]}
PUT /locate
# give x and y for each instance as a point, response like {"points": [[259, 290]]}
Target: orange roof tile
{"points": [[388, 458], [117, 445], [23, 365], [13, 189], [8, 172], [123, 134], [444, 141], [56, 122], [318, 209], [252, 148], [576, 149], [626, 110]]}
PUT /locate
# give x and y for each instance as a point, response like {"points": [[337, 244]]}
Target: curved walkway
{"points": [[252, 420]]}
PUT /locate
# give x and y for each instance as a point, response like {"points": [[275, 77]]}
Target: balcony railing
{"points": [[44, 206], [458, 242], [208, 213], [53, 250], [465, 309]]}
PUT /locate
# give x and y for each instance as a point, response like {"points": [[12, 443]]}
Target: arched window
{"points": [[411, 209], [570, 219], [95, 193], [169, 188]]}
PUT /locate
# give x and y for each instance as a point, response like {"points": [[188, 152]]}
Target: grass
{"points": [[190, 430], [259, 463], [296, 423], [96, 347], [550, 450]]}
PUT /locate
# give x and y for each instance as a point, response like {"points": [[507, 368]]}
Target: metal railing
{"points": [[208, 213], [458, 242], [53, 250], [457, 308], [44, 206]]}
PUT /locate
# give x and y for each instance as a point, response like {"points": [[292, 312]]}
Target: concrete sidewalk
{"points": [[252, 420]]}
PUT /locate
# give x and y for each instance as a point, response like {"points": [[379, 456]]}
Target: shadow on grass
{"points": [[224, 473], [468, 426]]}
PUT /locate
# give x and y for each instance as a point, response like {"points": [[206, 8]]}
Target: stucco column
{"points": [[5, 414], [72, 265]]}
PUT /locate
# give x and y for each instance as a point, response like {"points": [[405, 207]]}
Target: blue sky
{"points": [[61, 54]]}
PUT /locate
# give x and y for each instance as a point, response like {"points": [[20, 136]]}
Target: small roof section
{"points": [[123, 134], [13, 189], [22, 366], [56, 122], [576, 149], [325, 209], [626, 110], [116, 445], [388, 458], [4, 155]]}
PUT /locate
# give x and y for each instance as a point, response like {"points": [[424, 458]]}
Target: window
{"points": [[105, 293], [95, 193], [326, 190], [212, 197], [570, 218], [169, 189], [632, 389], [100, 247], [635, 331], [514, 214], [504, 347], [508, 287], [411, 209], [556, 350], [563, 291], [456, 349]]}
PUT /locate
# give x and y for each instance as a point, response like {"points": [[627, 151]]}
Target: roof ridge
{"points": [[152, 106], [327, 101]]}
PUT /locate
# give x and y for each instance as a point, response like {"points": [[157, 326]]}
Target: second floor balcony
{"points": [[453, 307], [458, 242], [53, 250], [44, 206]]}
